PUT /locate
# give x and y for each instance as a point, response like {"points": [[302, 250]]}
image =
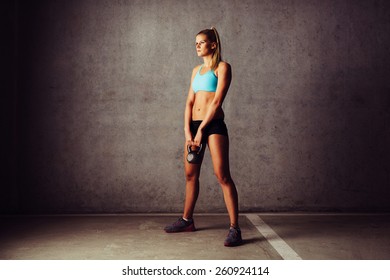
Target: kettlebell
{"points": [[194, 155]]}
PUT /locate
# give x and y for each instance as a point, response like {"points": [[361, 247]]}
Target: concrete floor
{"points": [[313, 236]]}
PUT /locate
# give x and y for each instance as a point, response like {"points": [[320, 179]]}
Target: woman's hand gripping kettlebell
{"points": [[194, 155]]}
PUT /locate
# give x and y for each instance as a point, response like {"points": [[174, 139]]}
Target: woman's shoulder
{"points": [[223, 68], [196, 68], [224, 65]]}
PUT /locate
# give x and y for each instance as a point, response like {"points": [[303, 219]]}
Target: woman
{"points": [[204, 124]]}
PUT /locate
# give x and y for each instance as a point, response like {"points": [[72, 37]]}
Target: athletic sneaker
{"points": [[233, 238], [181, 225]]}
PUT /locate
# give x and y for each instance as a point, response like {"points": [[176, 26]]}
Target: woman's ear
{"points": [[213, 46]]}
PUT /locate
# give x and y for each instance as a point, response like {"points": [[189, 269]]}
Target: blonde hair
{"points": [[212, 36]]}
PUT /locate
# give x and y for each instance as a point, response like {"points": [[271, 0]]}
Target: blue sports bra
{"points": [[206, 82]]}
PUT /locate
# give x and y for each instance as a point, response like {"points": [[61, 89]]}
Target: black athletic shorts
{"points": [[216, 126]]}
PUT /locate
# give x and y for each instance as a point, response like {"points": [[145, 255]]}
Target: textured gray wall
{"points": [[101, 93]]}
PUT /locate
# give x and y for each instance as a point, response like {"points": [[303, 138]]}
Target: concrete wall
{"points": [[101, 89]]}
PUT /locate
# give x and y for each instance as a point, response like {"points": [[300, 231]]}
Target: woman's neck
{"points": [[207, 61]]}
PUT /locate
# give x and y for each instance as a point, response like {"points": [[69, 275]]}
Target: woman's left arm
{"points": [[224, 79]]}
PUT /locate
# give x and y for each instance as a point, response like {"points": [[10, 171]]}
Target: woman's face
{"points": [[203, 46]]}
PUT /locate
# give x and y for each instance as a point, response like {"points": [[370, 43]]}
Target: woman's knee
{"points": [[192, 176], [223, 178]]}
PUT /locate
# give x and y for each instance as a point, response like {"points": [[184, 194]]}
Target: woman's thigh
{"points": [[219, 151]]}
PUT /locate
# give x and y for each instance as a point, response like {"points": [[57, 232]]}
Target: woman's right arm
{"points": [[188, 112]]}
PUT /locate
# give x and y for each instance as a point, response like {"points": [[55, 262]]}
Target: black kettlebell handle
{"points": [[190, 150]]}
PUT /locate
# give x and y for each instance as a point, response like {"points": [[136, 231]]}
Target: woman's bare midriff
{"points": [[202, 102]]}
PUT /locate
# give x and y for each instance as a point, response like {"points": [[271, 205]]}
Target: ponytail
{"points": [[217, 55]]}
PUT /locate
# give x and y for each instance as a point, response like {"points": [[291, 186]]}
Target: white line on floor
{"points": [[284, 250]]}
